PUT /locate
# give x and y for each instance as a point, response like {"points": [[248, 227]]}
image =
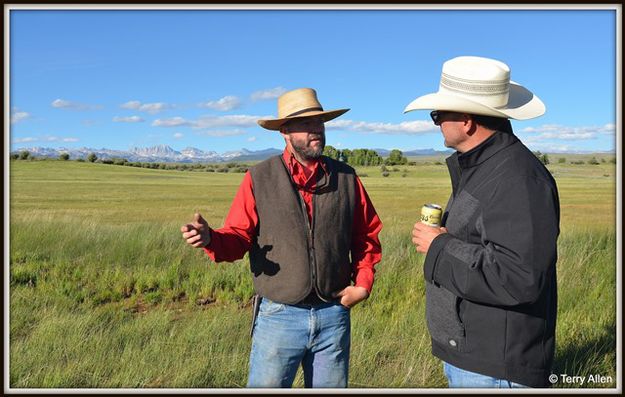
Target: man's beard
{"points": [[309, 153]]}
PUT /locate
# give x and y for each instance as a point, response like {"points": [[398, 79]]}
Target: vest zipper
{"points": [[311, 242]]}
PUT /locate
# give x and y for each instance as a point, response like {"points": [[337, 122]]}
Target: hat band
{"points": [[475, 87], [304, 111]]}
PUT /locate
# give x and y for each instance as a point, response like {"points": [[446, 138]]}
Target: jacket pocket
{"points": [[441, 311], [464, 209]]}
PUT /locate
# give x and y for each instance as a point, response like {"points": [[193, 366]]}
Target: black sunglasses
{"points": [[436, 116]]}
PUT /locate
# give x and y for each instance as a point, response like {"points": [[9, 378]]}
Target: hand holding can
{"points": [[428, 228]]}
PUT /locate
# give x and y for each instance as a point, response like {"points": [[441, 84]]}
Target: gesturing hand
{"points": [[352, 295], [197, 233]]}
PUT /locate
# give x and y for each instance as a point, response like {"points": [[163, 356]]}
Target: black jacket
{"points": [[491, 297]]}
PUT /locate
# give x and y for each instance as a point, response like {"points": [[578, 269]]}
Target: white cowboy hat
{"points": [[481, 86], [298, 104]]}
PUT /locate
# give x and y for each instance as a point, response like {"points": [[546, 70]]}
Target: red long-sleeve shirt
{"points": [[235, 238]]}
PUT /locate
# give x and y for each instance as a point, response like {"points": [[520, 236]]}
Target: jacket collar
{"points": [[485, 150]]}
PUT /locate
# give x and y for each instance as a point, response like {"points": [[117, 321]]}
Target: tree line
{"points": [[365, 157]]}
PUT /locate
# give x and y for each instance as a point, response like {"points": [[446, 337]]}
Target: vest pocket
{"points": [[444, 323]]}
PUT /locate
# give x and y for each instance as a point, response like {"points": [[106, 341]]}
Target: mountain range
{"points": [[165, 154], [156, 154]]}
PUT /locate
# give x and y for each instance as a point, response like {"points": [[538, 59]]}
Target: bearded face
{"points": [[306, 137], [310, 147]]}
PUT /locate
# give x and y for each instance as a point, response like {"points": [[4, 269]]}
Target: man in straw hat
{"points": [[490, 271], [311, 231]]}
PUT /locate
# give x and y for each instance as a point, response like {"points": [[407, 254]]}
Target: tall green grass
{"points": [[104, 292]]}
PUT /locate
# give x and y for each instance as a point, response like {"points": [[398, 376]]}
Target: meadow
{"points": [[104, 293]]}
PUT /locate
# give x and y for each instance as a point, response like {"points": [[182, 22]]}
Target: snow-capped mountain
{"points": [[157, 154]]}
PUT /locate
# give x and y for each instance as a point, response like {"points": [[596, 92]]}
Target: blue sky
{"points": [[123, 78]]}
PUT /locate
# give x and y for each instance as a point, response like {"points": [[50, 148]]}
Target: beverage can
{"points": [[431, 214]]}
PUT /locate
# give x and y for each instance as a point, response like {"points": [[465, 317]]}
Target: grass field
{"points": [[104, 292]]}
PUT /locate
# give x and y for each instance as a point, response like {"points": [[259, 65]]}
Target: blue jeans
{"points": [[285, 336], [457, 377]]}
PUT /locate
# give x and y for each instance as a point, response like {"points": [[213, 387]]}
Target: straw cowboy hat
{"points": [[298, 104], [480, 86]]}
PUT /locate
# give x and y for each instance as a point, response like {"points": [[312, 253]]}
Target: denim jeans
{"points": [[285, 336], [459, 378]]}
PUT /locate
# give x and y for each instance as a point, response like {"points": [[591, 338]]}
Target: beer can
{"points": [[431, 214]]}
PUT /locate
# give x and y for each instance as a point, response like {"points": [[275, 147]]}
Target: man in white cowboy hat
{"points": [[490, 270], [312, 236]]}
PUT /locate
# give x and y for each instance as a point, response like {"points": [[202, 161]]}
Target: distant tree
{"points": [[15, 156], [64, 156], [545, 159], [365, 157], [347, 155], [593, 161], [332, 152], [562, 160], [24, 155], [396, 157], [92, 157]]}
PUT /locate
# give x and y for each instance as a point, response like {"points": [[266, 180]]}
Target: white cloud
{"points": [[271, 93], [131, 119], [64, 104], [172, 122], [24, 140], [224, 104], [251, 139], [151, 108], [18, 116], [239, 120], [46, 138], [221, 133], [208, 122], [135, 105], [405, 127], [547, 147], [565, 133], [58, 139], [178, 135]]}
